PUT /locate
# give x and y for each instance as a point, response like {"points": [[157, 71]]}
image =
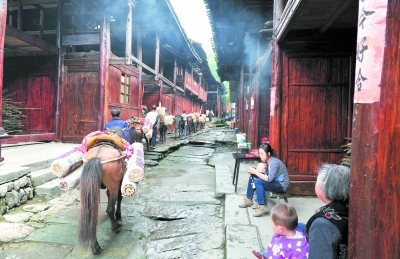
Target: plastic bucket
{"points": [[236, 130]]}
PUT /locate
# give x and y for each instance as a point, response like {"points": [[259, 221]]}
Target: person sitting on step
{"points": [[276, 179]]}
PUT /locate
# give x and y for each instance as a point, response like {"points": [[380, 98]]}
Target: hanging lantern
{"points": [[252, 102]]}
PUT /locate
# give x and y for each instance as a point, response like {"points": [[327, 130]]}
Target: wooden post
{"points": [[157, 56], [41, 24], [375, 165], [3, 19], [241, 104], [140, 56], [102, 72], [174, 81], [19, 17], [276, 84], [128, 46], [276, 109], [60, 72]]}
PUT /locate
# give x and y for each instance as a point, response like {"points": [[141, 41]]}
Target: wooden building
{"points": [[67, 64], [333, 78]]}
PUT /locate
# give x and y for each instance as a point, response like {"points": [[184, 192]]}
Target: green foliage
{"points": [[212, 63]]}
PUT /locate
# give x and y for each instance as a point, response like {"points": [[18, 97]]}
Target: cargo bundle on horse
{"points": [[202, 121], [165, 122], [111, 163], [136, 133], [105, 168], [191, 123]]}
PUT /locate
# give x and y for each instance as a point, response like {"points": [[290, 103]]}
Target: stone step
{"points": [[11, 173], [42, 176], [48, 190], [38, 165]]}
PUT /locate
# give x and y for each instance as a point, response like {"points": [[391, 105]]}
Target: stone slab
{"points": [[42, 176], [48, 190], [233, 213], [30, 250], [240, 241], [223, 180], [11, 173], [12, 231]]}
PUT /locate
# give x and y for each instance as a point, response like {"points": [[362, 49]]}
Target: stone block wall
{"points": [[15, 193]]}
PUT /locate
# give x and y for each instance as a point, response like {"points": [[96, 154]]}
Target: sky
{"points": [[193, 18]]}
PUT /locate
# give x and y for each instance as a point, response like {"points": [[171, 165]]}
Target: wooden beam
{"points": [[60, 69], [288, 18], [29, 138], [139, 62], [128, 36], [3, 19], [31, 2], [103, 69], [81, 39], [14, 32], [6, 46], [343, 7], [157, 55], [19, 17]]}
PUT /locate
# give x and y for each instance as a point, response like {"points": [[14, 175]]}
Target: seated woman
{"points": [[327, 229], [275, 179]]}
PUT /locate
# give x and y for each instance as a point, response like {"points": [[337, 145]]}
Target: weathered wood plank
{"points": [[30, 138], [81, 39], [14, 32]]}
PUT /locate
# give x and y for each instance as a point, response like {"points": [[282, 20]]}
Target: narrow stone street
{"points": [[186, 207], [174, 214]]}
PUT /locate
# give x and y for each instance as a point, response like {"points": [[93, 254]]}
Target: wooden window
{"points": [[125, 96]]}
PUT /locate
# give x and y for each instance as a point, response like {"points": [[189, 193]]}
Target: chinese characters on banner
{"points": [[370, 50]]}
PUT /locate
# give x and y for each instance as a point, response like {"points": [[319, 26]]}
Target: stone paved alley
{"points": [[185, 208]]}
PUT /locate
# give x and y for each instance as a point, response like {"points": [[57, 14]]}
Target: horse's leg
{"points": [[147, 142], [112, 199], [118, 211], [162, 134]]}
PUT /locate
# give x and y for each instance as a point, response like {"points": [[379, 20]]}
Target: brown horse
{"points": [[136, 133], [104, 168]]}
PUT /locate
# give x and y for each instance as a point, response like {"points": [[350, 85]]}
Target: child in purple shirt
{"points": [[288, 242]]}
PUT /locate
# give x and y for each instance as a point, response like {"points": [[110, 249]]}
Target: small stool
{"points": [[281, 195]]}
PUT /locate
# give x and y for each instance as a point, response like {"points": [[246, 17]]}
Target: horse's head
{"points": [[117, 131]]}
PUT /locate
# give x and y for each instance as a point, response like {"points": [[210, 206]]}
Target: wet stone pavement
{"points": [[174, 214]]}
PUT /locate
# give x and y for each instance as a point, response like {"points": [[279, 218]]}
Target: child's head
{"points": [[283, 216], [262, 167]]}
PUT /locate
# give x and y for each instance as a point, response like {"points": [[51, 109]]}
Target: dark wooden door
{"points": [[80, 106], [316, 114], [39, 105]]}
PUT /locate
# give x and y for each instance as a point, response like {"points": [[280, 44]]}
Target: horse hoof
{"points": [[96, 250], [116, 229]]}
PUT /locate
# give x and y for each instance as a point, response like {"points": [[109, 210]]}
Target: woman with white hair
{"points": [[327, 229]]}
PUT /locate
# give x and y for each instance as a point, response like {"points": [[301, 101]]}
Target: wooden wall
{"points": [[31, 81], [311, 117], [316, 94], [80, 107], [113, 91]]}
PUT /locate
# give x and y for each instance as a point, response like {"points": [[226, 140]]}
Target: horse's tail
{"points": [[90, 202], [132, 135]]}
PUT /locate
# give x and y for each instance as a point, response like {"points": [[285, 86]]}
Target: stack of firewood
{"points": [[12, 116], [346, 160]]}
